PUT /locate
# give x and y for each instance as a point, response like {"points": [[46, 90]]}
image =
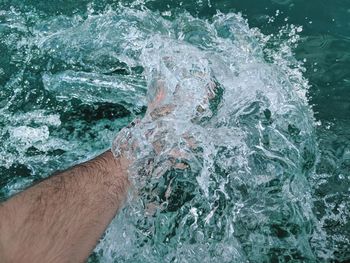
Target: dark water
{"points": [[48, 123]]}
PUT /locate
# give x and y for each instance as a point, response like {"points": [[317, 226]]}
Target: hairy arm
{"points": [[62, 218]]}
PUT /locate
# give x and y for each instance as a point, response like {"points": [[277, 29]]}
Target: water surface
{"points": [[272, 187]]}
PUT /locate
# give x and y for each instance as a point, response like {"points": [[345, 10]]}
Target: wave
{"points": [[223, 159], [224, 155]]}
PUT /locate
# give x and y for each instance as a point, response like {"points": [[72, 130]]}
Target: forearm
{"points": [[62, 218]]}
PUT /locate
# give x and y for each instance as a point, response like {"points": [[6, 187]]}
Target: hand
{"points": [[165, 138]]}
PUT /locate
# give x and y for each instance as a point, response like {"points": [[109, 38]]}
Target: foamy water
{"points": [[224, 164], [223, 176]]}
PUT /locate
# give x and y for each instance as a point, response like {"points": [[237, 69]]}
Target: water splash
{"points": [[223, 153], [230, 148]]}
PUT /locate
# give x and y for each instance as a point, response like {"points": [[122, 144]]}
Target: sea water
{"points": [[252, 163]]}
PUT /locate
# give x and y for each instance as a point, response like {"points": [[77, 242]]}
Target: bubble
{"points": [[228, 145]]}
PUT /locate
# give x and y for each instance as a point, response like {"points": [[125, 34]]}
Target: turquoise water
{"points": [[269, 180]]}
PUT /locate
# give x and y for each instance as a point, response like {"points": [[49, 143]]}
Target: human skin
{"points": [[62, 218]]}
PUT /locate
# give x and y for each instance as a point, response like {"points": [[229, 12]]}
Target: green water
{"points": [[55, 114]]}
